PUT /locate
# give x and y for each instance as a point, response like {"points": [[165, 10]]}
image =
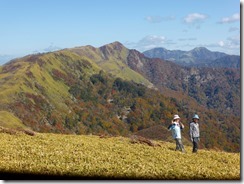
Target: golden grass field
{"points": [[89, 156]]}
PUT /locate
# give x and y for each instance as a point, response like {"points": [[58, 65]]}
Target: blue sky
{"points": [[30, 26]]}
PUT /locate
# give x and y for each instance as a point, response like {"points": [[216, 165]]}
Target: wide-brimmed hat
{"points": [[195, 116], [176, 117]]}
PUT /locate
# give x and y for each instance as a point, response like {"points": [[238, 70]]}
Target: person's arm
{"points": [[181, 125], [198, 133], [191, 131], [199, 130], [169, 127]]}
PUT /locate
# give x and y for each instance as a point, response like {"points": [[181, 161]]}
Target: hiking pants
{"points": [[179, 145], [195, 144]]}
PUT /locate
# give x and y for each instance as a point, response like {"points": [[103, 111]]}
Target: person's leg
{"points": [[177, 145], [195, 145], [181, 145]]}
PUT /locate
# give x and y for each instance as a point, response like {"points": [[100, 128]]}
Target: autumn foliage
{"points": [[63, 92]]}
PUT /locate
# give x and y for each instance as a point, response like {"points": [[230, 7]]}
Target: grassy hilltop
{"points": [[80, 156]]}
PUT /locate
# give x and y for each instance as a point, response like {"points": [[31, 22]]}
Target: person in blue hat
{"points": [[195, 132], [176, 127]]}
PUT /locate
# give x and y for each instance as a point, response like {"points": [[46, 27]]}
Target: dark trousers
{"points": [[195, 144], [179, 145]]}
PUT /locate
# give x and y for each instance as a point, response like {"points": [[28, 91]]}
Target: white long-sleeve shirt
{"points": [[194, 130]]}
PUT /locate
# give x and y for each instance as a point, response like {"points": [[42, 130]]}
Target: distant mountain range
{"points": [[198, 57], [6, 58], [118, 91]]}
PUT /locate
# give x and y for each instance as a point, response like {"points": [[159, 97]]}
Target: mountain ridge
{"points": [[87, 90], [197, 57]]}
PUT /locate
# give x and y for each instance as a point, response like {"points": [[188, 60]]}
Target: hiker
{"points": [[176, 127], [195, 132]]}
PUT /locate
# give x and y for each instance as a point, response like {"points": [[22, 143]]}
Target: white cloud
{"points": [[195, 18], [152, 39], [221, 43], [232, 29], [149, 42], [154, 19], [158, 19], [231, 45], [234, 41], [50, 48], [234, 18], [187, 39]]}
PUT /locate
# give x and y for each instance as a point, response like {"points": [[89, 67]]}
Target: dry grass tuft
{"points": [[8, 131], [13, 131], [142, 140], [29, 132]]}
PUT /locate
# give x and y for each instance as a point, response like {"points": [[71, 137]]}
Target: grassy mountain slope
{"points": [[61, 91], [36, 73], [112, 58], [75, 91], [38, 84], [9, 120], [48, 156]]}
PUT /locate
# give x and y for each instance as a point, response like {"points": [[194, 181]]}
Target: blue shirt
{"points": [[176, 130]]}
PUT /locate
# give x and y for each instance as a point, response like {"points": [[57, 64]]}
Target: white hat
{"points": [[176, 117], [195, 116]]}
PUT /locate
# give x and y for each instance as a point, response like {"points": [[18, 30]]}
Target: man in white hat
{"points": [[195, 132], [176, 127]]}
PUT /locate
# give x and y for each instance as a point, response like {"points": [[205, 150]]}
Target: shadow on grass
{"points": [[172, 149], [7, 176]]}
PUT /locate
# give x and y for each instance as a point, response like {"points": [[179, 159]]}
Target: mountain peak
{"points": [[198, 49], [112, 48], [159, 48], [114, 45]]}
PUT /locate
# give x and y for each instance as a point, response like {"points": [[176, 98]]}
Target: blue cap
{"points": [[195, 116]]}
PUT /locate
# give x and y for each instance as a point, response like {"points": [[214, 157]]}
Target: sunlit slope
{"points": [[115, 157], [27, 73], [8, 120], [46, 78], [112, 58], [42, 78]]}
